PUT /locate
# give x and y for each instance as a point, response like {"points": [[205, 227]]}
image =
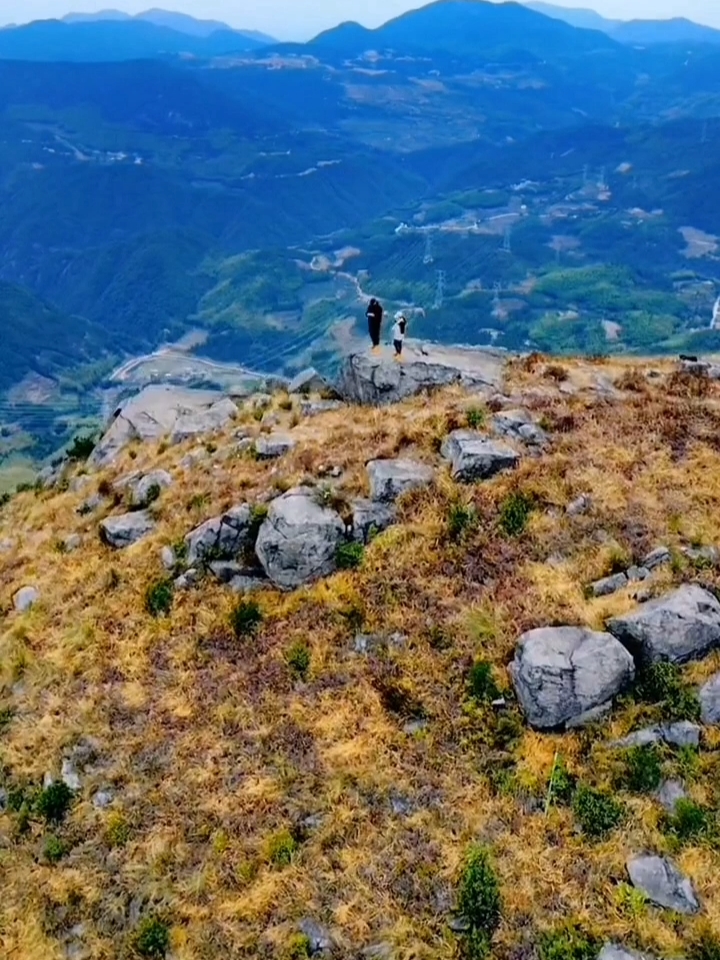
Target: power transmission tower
{"points": [[602, 178], [507, 244], [586, 174], [496, 295], [428, 258], [703, 138], [440, 289]]}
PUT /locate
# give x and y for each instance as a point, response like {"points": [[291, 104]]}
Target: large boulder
{"points": [[519, 425], [154, 413], [681, 626], [710, 701], [612, 952], [473, 457], [299, 540], [371, 517], [146, 489], [376, 381], [562, 673], [222, 538], [273, 446], [663, 884], [390, 479], [25, 598], [123, 531], [202, 422], [310, 381]]}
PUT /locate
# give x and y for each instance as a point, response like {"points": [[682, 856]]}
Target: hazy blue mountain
{"points": [[112, 40], [181, 22], [677, 30]]}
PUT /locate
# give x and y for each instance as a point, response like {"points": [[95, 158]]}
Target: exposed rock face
{"points": [[609, 585], [313, 408], [390, 479], [309, 381], [26, 598], [202, 422], [580, 506], [560, 673], [473, 457], [376, 381], [612, 952], [154, 413], [681, 734], [123, 531], [663, 884], [319, 940], [670, 794], [273, 446], [681, 626], [710, 700], [146, 489], [519, 425], [658, 558], [298, 541], [221, 538], [371, 517]]}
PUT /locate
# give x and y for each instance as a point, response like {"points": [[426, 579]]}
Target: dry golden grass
{"points": [[213, 749]]}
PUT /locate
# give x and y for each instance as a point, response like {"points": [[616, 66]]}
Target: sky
{"points": [[303, 19]]}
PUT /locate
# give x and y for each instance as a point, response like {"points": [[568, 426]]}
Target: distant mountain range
{"points": [[677, 30], [166, 18]]}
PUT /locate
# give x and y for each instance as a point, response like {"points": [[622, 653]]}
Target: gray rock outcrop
{"points": [[519, 425], [390, 479], [376, 381], [313, 408], [608, 585], [309, 381], [681, 626], [681, 734], [670, 794], [369, 518], [561, 673], [26, 598], [156, 412], [123, 531], [299, 540], [612, 952], [663, 884], [221, 538], [710, 701], [473, 457], [144, 490], [659, 557], [273, 446]]}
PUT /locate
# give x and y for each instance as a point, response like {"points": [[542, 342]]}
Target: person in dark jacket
{"points": [[374, 316]]}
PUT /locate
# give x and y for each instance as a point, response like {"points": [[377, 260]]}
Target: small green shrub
{"points": [[54, 849], [282, 848], [569, 942], [210, 447], [245, 618], [596, 811], [438, 637], [475, 418], [285, 404], [258, 516], [350, 556], [6, 716], [461, 519], [153, 493], [159, 598], [53, 803], [706, 945], [479, 902], [691, 822], [298, 660], [5, 498], [508, 731], [81, 448], [515, 513], [118, 831], [299, 947], [662, 683], [643, 769], [152, 938], [481, 682], [198, 501], [24, 487], [562, 785]]}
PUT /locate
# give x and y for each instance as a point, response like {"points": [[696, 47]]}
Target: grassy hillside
{"points": [[256, 779]]}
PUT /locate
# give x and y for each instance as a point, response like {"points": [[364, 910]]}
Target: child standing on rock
{"points": [[398, 334]]}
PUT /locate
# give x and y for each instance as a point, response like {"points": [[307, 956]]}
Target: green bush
{"points": [[475, 418], [691, 822], [515, 513], [349, 556], [481, 682], [596, 811], [53, 803], [662, 683], [152, 938], [245, 618], [479, 902], [569, 942], [282, 848], [643, 769], [299, 947], [562, 784], [6, 716], [706, 945], [159, 598], [298, 660], [258, 516], [54, 849], [460, 520], [81, 448], [118, 831]]}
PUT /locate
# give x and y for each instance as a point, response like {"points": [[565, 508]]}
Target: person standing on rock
{"points": [[398, 334], [374, 316]]}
